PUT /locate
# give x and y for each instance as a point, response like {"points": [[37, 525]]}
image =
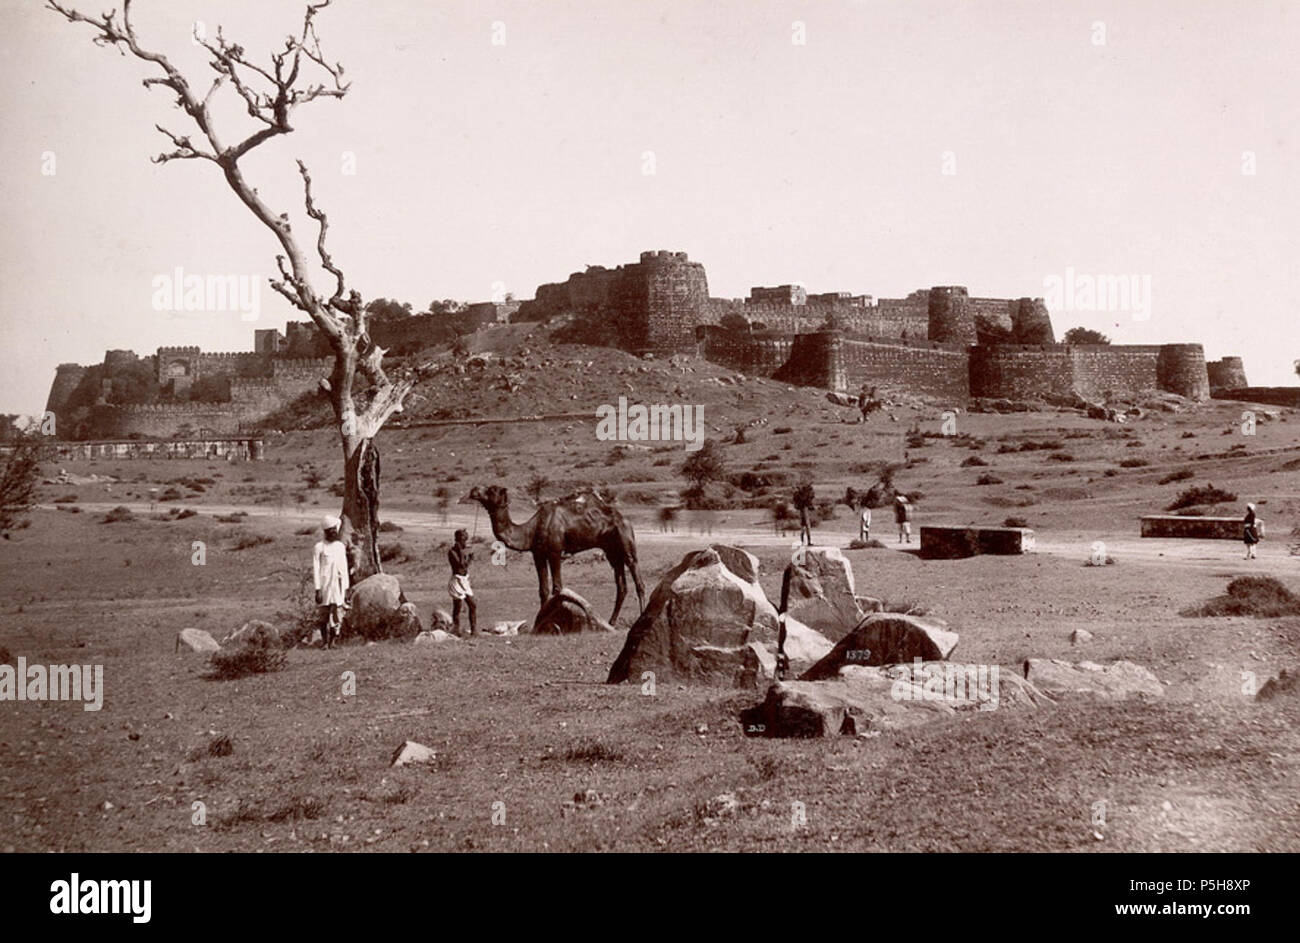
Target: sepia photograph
{"points": [[650, 426]]}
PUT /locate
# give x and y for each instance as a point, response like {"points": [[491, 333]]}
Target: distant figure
{"points": [[805, 530], [903, 515], [864, 523], [1252, 531], [330, 571], [866, 402], [668, 519], [460, 557]]}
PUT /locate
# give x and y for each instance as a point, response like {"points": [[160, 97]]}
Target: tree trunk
{"points": [[361, 506]]}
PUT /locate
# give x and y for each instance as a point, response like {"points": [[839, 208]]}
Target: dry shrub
{"points": [[1260, 596], [1201, 494], [259, 653]]}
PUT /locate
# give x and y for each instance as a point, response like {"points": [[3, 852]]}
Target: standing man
{"points": [[460, 556], [903, 515], [330, 570], [864, 522]]}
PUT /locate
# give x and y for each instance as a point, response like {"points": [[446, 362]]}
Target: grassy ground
{"points": [[535, 753]]}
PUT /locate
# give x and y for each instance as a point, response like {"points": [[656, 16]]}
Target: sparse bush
{"points": [[388, 527], [1260, 596], [987, 479], [257, 655], [872, 544], [119, 515], [1060, 457], [236, 517], [1015, 522], [1200, 494], [171, 494], [973, 461], [782, 430], [65, 499], [393, 553], [249, 541], [1134, 463], [1181, 475], [591, 751]]}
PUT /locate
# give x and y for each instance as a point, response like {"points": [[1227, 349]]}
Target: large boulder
{"points": [[821, 592], [567, 613], [375, 604], [699, 619], [196, 640], [892, 697], [1287, 683], [886, 638], [1119, 679]]}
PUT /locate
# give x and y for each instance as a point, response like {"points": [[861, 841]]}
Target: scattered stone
{"points": [[865, 700], [698, 620], [508, 628], [1117, 680], [1078, 636], [433, 637], [196, 640], [567, 613], [887, 638], [411, 752], [1286, 682]]}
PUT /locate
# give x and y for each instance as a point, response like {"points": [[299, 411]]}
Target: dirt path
{"points": [[1200, 554]]}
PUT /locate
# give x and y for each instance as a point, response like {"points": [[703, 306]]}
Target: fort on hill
{"points": [[938, 341]]}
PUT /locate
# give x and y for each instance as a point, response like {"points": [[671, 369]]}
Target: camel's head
{"points": [[493, 496]]}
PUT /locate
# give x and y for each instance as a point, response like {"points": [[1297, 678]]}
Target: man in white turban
{"points": [[330, 569]]}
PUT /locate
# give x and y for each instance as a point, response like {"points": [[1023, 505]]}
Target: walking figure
{"points": [[330, 572], [864, 523]]}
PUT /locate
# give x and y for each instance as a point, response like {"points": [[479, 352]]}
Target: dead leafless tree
{"points": [[362, 394]]}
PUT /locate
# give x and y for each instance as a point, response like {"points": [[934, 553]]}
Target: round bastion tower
{"points": [[952, 318]]}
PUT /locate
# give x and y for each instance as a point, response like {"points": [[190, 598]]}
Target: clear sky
{"points": [[821, 162]]}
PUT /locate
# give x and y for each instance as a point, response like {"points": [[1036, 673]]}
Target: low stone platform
{"points": [[939, 542], [1197, 528]]}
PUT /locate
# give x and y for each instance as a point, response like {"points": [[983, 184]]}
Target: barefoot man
{"points": [[330, 569], [460, 556]]}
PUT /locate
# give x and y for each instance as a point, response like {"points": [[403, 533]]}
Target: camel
{"points": [[565, 526]]}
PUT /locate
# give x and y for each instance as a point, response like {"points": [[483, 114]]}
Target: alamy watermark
{"points": [[655, 423], [53, 683], [1123, 294], [179, 292], [951, 683]]}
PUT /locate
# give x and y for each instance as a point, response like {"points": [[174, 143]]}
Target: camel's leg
{"points": [[636, 581], [557, 583], [620, 585], [543, 578]]}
